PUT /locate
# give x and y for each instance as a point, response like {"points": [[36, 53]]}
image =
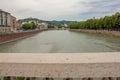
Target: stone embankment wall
{"points": [[12, 36], [115, 33]]}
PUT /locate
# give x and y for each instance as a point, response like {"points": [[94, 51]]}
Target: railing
{"points": [[67, 66]]}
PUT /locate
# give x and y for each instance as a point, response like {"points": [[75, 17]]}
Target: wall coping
{"points": [[61, 65]]}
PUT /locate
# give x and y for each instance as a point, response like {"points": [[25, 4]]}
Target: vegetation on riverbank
{"points": [[51, 24], [106, 23], [29, 26]]}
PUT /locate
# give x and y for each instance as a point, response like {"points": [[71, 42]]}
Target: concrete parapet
{"points": [[79, 65]]}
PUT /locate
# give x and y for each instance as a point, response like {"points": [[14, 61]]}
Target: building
{"points": [[7, 22], [4, 21], [65, 25], [42, 26], [19, 25], [13, 23]]}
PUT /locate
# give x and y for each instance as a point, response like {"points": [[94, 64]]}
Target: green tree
{"points": [[50, 25], [33, 25], [107, 23], [29, 26]]}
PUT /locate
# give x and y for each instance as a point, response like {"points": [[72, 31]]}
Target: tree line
{"points": [[59, 24], [105, 23]]}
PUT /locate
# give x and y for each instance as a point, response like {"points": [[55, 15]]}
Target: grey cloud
{"points": [[100, 8], [60, 9]]}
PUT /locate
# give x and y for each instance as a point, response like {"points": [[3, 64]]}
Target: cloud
{"points": [[101, 8], [60, 9]]}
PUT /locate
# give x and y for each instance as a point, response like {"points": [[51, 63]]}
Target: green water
{"points": [[63, 41]]}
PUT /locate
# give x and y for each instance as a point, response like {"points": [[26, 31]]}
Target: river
{"points": [[63, 41]]}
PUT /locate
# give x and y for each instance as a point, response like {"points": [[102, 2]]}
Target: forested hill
{"points": [[106, 23], [51, 24], [59, 23], [28, 19]]}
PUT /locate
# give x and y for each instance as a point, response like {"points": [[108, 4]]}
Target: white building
{"points": [[4, 21], [42, 26]]}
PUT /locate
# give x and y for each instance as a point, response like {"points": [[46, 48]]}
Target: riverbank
{"points": [[8, 37], [114, 33]]}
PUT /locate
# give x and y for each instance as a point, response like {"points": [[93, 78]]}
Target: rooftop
{"points": [[4, 11]]}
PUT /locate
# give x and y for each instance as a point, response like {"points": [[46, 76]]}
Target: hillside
{"points": [[51, 24]]}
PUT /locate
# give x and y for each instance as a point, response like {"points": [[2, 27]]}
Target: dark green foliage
{"points": [[107, 23], [59, 24], [20, 78], [29, 26], [29, 19], [50, 26], [5, 78], [33, 25]]}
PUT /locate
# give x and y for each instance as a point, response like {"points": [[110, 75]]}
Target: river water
{"points": [[63, 41]]}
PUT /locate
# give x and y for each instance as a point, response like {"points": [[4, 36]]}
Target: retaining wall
{"points": [[12, 36]]}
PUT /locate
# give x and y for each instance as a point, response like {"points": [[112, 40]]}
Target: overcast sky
{"points": [[60, 9]]}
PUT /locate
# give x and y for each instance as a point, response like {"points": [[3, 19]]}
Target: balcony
{"points": [[67, 66]]}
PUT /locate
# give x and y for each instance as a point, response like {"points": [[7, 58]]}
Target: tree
{"points": [[29, 26], [107, 23], [33, 25]]}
